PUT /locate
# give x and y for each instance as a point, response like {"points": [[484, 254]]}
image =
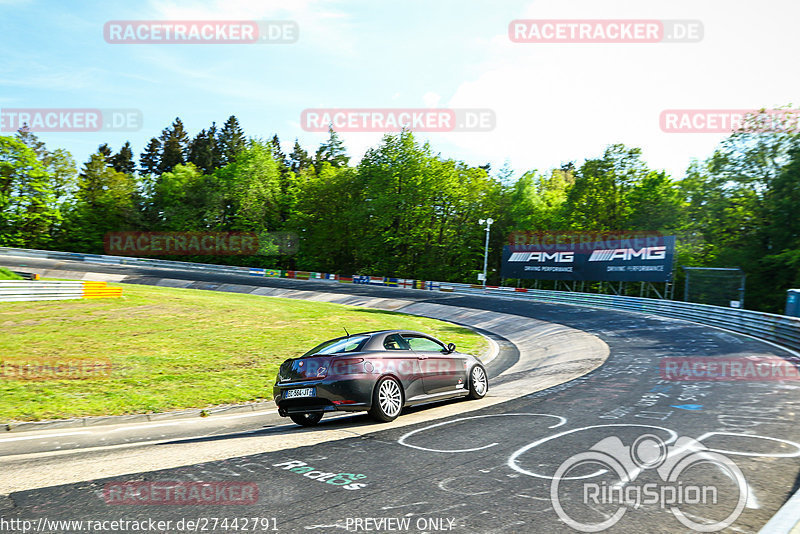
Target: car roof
{"points": [[372, 333], [383, 332], [373, 338]]}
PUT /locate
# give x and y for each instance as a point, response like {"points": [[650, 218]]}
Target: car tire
{"points": [[478, 383], [306, 419], [387, 400]]}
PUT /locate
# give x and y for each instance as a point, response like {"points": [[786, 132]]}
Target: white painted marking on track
{"points": [[407, 435], [512, 460], [708, 521], [753, 436], [493, 352], [403, 505], [48, 436], [44, 434], [752, 500], [443, 486]]}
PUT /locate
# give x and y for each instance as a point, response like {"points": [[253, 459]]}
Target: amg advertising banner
{"points": [[640, 259]]}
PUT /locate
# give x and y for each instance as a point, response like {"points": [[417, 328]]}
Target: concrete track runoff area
{"points": [[542, 454]]}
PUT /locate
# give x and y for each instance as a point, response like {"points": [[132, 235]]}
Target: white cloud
{"points": [[560, 102], [320, 24], [431, 99]]}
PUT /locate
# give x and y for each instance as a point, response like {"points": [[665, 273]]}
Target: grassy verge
{"points": [[5, 274], [158, 349]]}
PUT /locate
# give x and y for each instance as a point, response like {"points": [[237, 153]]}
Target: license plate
{"points": [[301, 392]]}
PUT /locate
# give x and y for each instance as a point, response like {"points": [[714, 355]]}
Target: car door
{"points": [[441, 371], [399, 360]]}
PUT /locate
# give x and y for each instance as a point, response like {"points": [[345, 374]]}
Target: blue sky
{"points": [[553, 102]]}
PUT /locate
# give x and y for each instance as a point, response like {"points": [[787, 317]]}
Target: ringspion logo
{"points": [[591, 491]]}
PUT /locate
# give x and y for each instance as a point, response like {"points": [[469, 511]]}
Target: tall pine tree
{"points": [[298, 159], [331, 151], [277, 154], [286, 179], [231, 140], [105, 150], [203, 152], [150, 159], [174, 146], [30, 140], [122, 161]]}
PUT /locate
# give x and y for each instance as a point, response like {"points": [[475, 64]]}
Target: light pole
{"points": [[488, 222]]}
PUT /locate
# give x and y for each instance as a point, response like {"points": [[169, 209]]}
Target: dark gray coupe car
{"points": [[379, 372]]}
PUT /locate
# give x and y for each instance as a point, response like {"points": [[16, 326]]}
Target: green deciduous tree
{"points": [[104, 202], [599, 199], [404, 210], [324, 218], [185, 199], [28, 208], [252, 186], [58, 164], [419, 214]]}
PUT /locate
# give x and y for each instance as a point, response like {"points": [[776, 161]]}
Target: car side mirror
{"points": [[451, 347]]}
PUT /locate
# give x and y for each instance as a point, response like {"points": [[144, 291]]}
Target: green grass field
{"points": [[171, 348], [6, 274]]}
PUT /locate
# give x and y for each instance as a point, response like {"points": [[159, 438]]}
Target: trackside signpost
{"points": [[639, 259]]}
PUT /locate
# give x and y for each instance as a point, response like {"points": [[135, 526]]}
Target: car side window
{"points": [[351, 346], [423, 344], [395, 342]]}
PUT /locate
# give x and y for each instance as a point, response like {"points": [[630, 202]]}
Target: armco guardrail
{"points": [[225, 269], [23, 290], [121, 260], [780, 329], [13, 290], [26, 276]]}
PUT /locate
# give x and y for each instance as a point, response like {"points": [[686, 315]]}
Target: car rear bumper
{"points": [[330, 395]]}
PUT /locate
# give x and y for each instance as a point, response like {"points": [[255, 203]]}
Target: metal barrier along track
{"points": [[780, 329], [23, 290], [20, 290]]}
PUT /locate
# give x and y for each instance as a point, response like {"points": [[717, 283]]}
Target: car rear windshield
{"points": [[342, 344]]}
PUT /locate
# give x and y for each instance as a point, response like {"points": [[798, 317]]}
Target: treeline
{"points": [[405, 210]]}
